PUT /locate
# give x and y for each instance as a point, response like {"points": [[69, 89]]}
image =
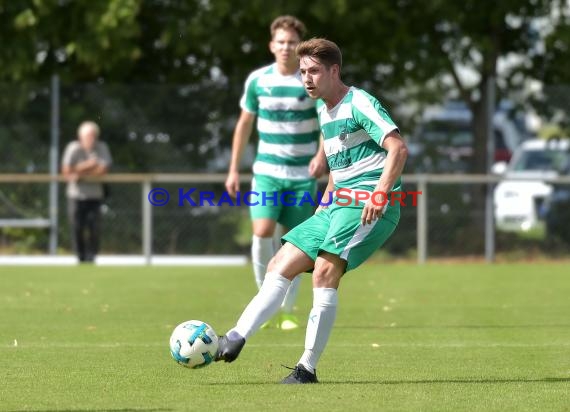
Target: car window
{"points": [[454, 134], [535, 160], [451, 133]]}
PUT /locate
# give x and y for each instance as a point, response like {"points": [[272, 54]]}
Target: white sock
{"points": [[291, 296], [319, 326], [264, 305], [261, 253]]}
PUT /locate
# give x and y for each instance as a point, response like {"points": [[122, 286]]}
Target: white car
{"points": [[518, 202]]}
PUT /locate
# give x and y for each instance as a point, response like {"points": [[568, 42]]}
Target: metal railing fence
{"points": [[441, 217]]}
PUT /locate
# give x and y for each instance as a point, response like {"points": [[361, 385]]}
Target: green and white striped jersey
{"points": [[286, 123], [353, 133]]}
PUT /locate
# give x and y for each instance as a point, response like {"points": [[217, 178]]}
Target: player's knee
{"points": [[288, 262], [272, 264], [264, 227], [263, 232], [327, 273], [276, 261]]}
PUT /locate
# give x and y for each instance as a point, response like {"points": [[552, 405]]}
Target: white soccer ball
{"points": [[193, 344]]}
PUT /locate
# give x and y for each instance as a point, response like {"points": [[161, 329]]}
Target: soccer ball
{"points": [[193, 344]]}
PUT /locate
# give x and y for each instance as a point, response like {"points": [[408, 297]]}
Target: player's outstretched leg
{"points": [[262, 250], [260, 309]]}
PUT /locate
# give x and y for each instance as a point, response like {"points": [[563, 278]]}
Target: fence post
{"points": [[489, 207], [422, 222], [53, 165], [146, 221]]}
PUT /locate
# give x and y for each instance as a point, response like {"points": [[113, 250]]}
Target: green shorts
{"points": [[278, 199], [338, 230]]}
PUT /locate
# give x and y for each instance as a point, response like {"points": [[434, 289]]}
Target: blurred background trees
{"points": [[409, 53]]}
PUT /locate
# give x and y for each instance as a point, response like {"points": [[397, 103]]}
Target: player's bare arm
{"points": [[318, 164], [326, 195], [395, 161], [242, 132]]}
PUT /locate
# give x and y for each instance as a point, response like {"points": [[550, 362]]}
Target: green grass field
{"points": [[455, 337]]}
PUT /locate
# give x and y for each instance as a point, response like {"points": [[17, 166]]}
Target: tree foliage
{"points": [[405, 51], [77, 39]]}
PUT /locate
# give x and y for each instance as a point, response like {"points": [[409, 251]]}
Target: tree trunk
{"points": [[481, 113]]}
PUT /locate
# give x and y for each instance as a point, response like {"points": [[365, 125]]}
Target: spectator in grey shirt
{"points": [[86, 156]]}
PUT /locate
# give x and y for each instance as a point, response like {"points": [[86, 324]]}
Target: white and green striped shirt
{"points": [[353, 133], [286, 123]]}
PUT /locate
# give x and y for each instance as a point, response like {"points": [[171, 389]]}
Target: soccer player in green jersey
{"points": [[289, 157], [365, 153]]}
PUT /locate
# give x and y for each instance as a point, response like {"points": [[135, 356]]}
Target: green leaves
{"points": [[403, 51], [25, 19], [78, 39]]}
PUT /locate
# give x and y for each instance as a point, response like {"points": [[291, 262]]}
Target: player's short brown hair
{"points": [[288, 23], [325, 51]]}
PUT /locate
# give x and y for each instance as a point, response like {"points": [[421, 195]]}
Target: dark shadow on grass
{"points": [[463, 381], [474, 381], [386, 327]]}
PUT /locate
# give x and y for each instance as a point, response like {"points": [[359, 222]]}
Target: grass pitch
{"points": [[455, 337]]}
